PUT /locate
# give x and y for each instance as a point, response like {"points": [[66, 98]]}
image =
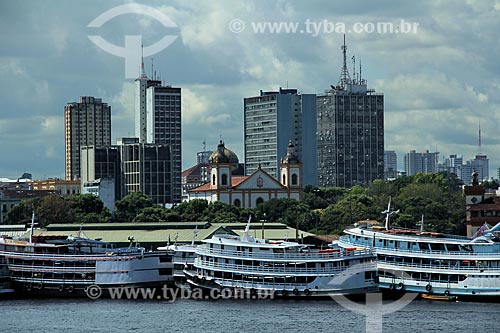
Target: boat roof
{"points": [[410, 235], [252, 242]]}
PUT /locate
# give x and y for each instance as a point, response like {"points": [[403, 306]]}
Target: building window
{"points": [[224, 179], [237, 203], [284, 179], [259, 201], [213, 180], [294, 179]]}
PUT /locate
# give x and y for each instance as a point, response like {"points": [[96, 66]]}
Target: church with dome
{"points": [[224, 185]]}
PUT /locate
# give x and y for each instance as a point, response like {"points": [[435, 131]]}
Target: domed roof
{"points": [[291, 157], [223, 155]]}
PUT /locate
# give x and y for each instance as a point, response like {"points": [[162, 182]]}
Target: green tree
{"points": [[152, 214], [130, 206], [21, 213], [192, 210], [53, 209]]}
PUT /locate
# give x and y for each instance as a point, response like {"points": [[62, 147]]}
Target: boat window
{"points": [[437, 246], [452, 247]]}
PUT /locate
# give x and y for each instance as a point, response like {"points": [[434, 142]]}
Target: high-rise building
{"points": [[102, 162], [426, 162], [271, 120], [147, 168], [87, 122], [350, 139], [158, 121], [451, 164], [390, 164], [480, 165]]}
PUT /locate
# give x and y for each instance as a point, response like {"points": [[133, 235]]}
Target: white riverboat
{"points": [[431, 263], [57, 263], [280, 268], [183, 256]]}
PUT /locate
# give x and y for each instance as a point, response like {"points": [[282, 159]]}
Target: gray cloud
{"points": [[438, 83]]}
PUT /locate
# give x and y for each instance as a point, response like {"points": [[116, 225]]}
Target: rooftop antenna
{"points": [[152, 69], [360, 77], [480, 148], [422, 224], [344, 75], [354, 68], [204, 145], [142, 59]]}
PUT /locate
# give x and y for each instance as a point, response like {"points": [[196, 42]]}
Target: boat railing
{"points": [[51, 269], [112, 255], [345, 241], [273, 270], [469, 268], [341, 254]]}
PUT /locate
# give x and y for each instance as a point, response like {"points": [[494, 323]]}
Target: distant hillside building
{"points": [[249, 191], [425, 162], [87, 122], [390, 164]]}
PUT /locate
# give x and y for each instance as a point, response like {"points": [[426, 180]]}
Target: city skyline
{"points": [[439, 83]]}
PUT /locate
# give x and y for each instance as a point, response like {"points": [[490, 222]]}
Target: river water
{"points": [[108, 315]]}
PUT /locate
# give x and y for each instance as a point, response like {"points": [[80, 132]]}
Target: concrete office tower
{"points": [[158, 121], [426, 162], [87, 122], [271, 120], [350, 140], [102, 163], [148, 168]]}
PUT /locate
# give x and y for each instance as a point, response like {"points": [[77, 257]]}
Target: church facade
{"points": [[249, 191]]}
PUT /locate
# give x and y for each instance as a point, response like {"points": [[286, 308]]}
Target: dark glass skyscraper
{"points": [[350, 127]]}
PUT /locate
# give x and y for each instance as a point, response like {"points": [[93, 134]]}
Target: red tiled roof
{"points": [[235, 181]]}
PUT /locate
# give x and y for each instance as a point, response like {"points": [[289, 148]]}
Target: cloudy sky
{"points": [[439, 82]]}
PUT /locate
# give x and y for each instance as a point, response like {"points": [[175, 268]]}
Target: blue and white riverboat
{"points": [[431, 263]]}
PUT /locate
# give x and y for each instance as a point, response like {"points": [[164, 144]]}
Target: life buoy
{"points": [[39, 286], [428, 287], [307, 292], [61, 288], [392, 286], [284, 292], [447, 292], [295, 291], [401, 286], [70, 289], [28, 287]]}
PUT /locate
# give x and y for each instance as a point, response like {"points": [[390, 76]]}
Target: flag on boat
{"points": [[481, 230]]}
